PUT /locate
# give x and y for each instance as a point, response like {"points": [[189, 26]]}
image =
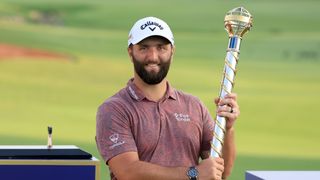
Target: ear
{"points": [[173, 50], [129, 49]]}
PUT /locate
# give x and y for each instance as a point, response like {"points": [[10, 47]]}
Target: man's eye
{"points": [[162, 47]]}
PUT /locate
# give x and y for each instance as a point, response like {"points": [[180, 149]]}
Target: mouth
{"points": [[152, 67]]}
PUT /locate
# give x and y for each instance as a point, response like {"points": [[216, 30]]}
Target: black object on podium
{"points": [[42, 152]]}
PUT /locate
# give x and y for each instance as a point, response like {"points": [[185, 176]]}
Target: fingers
{"points": [[216, 101], [228, 108], [220, 164], [232, 96], [219, 168], [211, 168], [230, 99], [228, 112], [225, 108]]}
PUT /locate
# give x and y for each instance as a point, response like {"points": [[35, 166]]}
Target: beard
{"points": [[151, 77]]}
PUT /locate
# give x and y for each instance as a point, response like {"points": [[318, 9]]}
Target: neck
{"points": [[152, 92]]}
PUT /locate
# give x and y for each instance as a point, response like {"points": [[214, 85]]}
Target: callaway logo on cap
{"points": [[149, 26]]}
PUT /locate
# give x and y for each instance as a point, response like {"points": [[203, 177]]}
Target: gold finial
{"points": [[238, 21]]}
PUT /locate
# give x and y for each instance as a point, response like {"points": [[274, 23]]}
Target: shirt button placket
{"points": [[161, 117], [160, 111]]}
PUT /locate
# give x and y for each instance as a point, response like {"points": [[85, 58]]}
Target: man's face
{"points": [[152, 58]]}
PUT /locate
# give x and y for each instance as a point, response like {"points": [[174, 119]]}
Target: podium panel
{"points": [[13, 168]]}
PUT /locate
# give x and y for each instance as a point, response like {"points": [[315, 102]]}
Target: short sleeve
{"points": [[113, 132]]}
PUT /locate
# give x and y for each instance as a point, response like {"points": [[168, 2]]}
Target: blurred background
{"points": [[59, 60]]}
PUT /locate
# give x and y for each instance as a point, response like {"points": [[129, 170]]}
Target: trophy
{"points": [[237, 22], [49, 137]]}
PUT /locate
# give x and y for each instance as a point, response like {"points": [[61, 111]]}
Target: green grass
{"points": [[277, 80]]}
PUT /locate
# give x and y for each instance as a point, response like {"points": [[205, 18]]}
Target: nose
{"points": [[152, 54]]}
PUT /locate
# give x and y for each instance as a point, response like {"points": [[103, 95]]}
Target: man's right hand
{"points": [[211, 168]]}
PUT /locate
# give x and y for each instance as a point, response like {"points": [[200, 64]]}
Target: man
{"points": [[149, 130]]}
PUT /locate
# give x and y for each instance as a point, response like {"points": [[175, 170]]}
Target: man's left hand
{"points": [[228, 108]]}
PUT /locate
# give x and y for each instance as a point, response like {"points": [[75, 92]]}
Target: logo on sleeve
{"points": [[114, 138]]}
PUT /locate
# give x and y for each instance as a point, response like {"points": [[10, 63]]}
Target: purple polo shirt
{"points": [[171, 132]]}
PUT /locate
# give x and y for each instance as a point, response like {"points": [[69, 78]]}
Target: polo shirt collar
{"points": [[138, 95], [171, 92]]}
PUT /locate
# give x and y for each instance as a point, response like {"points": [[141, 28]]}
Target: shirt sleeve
{"points": [[113, 132]]}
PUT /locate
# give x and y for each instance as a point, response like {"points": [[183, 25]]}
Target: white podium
{"points": [[282, 175]]}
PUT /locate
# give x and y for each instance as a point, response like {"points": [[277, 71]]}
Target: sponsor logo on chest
{"points": [[182, 117]]}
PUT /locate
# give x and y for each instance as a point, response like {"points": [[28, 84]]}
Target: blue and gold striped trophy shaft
{"points": [[237, 22]]}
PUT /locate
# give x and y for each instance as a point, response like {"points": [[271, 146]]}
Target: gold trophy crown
{"points": [[237, 21]]}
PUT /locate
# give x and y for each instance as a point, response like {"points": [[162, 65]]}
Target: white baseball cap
{"points": [[149, 26]]}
